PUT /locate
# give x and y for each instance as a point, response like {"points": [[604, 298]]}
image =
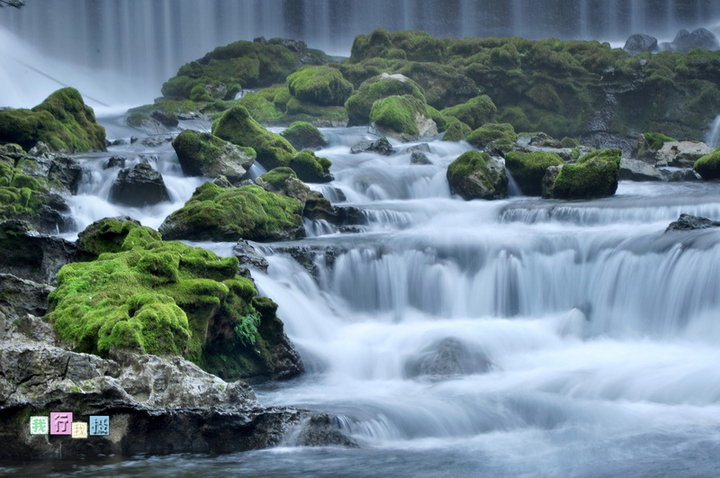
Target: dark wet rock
{"points": [[317, 207], [701, 38], [22, 296], [639, 43], [115, 162], [381, 146], [449, 356], [249, 257], [140, 186], [687, 222], [680, 174], [636, 170], [165, 119], [418, 157], [30, 255]]}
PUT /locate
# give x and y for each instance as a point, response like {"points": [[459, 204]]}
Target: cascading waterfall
{"points": [[712, 138]]}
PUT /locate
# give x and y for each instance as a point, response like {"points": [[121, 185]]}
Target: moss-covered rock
{"points": [[403, 117], [475, 175], [414, 45], [456, 131], [311, 168], [475, 112], [443, 86], [62, 121], [595, 174], [203, 154], [709, 165], [649, 144], [358, 106], [151, 296], [284, 181], [321, 85], [528, 169], [237, 126], [214, 213], [303, 135], [494, 137]]}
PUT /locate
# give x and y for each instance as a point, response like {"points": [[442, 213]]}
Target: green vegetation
{"points": [[151, 296], [311, 168], [500, 136], [358, 106], [228, 214], [397, 115], [474, 175], [203, 154], [456, 131], [303, 135], [62, 121], [320, 85], [528, 169], [594, 175], [655, 141], [708, 166], [474, 113]]}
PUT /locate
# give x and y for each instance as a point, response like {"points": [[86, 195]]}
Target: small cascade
{"points": [[712, 138]]}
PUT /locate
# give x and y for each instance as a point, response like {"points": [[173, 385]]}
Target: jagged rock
{"points": [[639, 43], [317, 207], [165, 119], [701, 38], [544, 140], [30, 255], [448, 356], [156, 140], [139, 186], [636, 170], [687, 222], [23, 296], [115, 162], [249, 257], [381, 146], [682, 154], [418, 157]]}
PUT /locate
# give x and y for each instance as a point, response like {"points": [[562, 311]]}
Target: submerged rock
{"points": [[475, 175], [381, 146], [139, 186], [687, 222], [447, 357]]}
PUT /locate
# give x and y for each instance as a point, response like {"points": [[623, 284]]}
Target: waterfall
{"points": [[135, 45], [712, 138]]}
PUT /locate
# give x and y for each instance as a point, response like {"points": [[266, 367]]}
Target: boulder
{"points": [[237, 126], [320, 85], [494, 137], [528, 169], [636, 170], [214, 213], [474, 113], [682, 154], [446, 357], [418, 157], [544, 140], [701, 38], [595, 174], [648, 145], [115, 162], [105, 235], [303, 135], [249, 258], [164, 118], [456, 131], [284, 181], [32, 256], [139, 186], [311, 168], [475, 175], [687, 222], [381, 146], [405, 118], [639, 43], [708, 166], [203, 154], [360, 104]]}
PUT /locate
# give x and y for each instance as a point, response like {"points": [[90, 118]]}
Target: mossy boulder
{"points": [[709, 165], [649, 144], [321, 85], [476, 175], [456, 131], [237, 126], [358, 106], [443, 86], [594, 175], [408, 44], [499, 137], [62, 121], [475, 112], [284, 181], [528, 169], [214, 213], [204, 154], [166, 298], [303, 135], [311, 168], [403, 117]]}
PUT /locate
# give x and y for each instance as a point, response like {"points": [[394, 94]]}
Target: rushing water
{"points": [[523, 337]]}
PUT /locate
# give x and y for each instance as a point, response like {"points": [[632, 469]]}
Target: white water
{"points": [[712, 138], [588, 337]]}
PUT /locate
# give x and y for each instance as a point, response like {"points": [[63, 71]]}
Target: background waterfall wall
{"points": [[140, 43]]}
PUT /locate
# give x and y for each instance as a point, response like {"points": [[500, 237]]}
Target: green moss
{"points": [[62, 121], [203, 154], [569, 142], [358, 106], [594, 175], [278, 176], [228, 214], [260, 108], [302, 134], [528, 169], [397, 114], [499, 133], [655, 141], [456, 131], [109, 235], [416, 45], [321, 85], [311, 168], [473, 176], [475, 112], [237, 126], [443, 86], [708, 166], [21, 196]]}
